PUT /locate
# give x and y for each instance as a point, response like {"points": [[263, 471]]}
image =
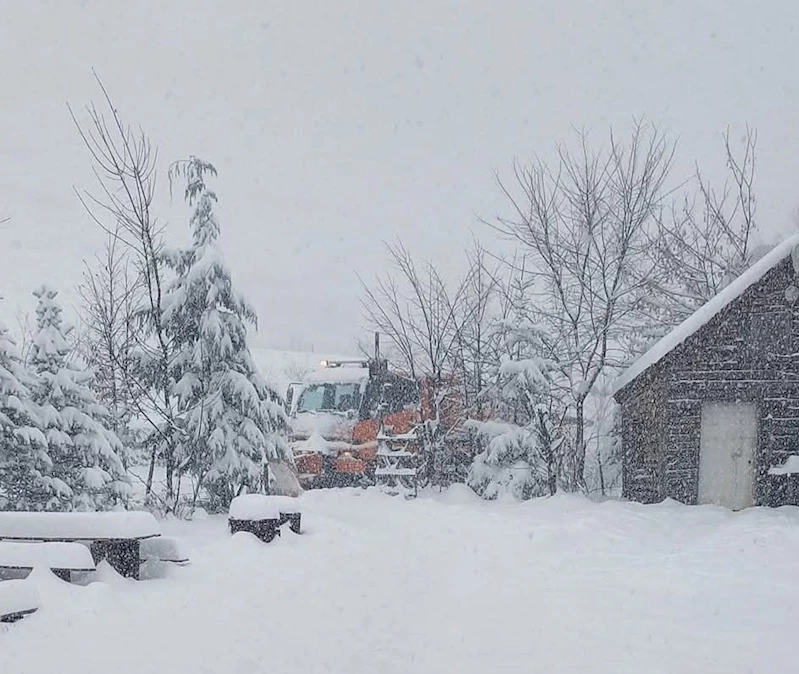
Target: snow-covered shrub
{"points": [[520, 457], [508, 463]]}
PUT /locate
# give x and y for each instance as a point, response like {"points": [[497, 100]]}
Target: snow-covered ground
{"points": [[441, 584]]}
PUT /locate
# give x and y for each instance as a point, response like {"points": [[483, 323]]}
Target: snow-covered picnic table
{"points": [[38, 526], [262, 507], [262, 515], [114, 536]]}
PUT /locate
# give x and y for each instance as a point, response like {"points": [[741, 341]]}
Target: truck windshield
{"points": [[329, 397]]}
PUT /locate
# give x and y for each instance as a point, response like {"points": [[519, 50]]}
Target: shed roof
{"points": [[707, 311]]}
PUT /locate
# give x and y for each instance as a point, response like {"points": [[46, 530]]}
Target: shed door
{"points": [[726, 457]]}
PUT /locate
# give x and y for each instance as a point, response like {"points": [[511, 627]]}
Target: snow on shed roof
{"points": [[707, 311]]}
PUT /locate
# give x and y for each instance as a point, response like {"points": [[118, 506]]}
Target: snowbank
{"points": [[443, 583], [77, 526]]}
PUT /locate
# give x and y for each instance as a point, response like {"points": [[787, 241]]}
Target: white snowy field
{"points": [[441, 584]]}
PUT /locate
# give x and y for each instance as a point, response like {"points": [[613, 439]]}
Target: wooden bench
{"points": [[18, 598], [113, 536], [263, 515], [63, 559]]}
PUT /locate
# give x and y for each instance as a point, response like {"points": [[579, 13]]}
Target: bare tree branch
{"points": [[124, 164]]}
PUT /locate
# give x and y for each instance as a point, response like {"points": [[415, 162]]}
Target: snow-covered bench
{"points": [[18, 598], [113, 536], [263, 515], [163, 549], [62, 558]]}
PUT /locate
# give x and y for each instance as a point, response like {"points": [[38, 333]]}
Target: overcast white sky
{"points": [[338, 125]]}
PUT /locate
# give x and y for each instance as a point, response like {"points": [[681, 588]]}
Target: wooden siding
{"points": [[641, 432]]}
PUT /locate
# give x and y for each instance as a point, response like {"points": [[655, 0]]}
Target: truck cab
{"points": [[335, 414]]}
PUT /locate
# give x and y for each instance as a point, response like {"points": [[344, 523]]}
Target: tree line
{"points": [[596, 256]]}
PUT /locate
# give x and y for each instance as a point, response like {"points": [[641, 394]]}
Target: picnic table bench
{"points": [[63, 559], [163, 549], [263, 515], [113, 536], [18, 598]]}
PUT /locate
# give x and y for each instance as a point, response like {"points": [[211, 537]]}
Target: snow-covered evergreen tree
{"points": [[521, 447], [25, 482], [233, 422], [87, 471]]}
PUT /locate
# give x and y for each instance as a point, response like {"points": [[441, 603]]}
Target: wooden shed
{"points": [[710, 414]]}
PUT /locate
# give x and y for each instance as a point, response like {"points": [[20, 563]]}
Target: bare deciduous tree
{"points": [[584, 227], [706, 240], [476, 336], [110, 294], [26, 330], [124, 165], [415, 308], [423, 318]]}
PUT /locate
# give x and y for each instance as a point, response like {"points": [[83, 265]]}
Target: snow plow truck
{"points": [[335, 416]]}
